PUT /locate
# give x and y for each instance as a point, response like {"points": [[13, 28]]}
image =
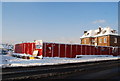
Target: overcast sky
{"points": [[55, 21]]}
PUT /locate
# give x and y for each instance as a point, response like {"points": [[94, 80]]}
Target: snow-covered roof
{"points": [[100, 32]]}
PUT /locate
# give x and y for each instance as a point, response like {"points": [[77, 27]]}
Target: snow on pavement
{"points": [[9, 61]]}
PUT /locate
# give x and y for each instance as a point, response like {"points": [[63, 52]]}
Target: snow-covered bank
{"points": [[9, 61]]}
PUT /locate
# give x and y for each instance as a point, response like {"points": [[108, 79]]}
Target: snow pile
{"points": [[9, 61], [100, 32]]}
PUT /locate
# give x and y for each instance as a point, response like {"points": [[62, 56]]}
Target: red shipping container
{"points": [[110, 50], [68, 50], [92, 50], [74, 52], [62, 50], [28, 52], [65, 50], [97, 50], [55, 50], [88, 50], [83, 49], [44, 50], [106, 51], [115, 51], [48, 49], [78, 48], [80, 51], [23, 48], [30, 48], [16, 48], [33, 47], [102, 50], [119, 51], [19, 48], [26, 46]]}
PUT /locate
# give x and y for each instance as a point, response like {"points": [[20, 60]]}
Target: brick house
{"points": [[101, 37]]}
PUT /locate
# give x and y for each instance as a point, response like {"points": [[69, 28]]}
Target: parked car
{"points": [[4, 51]]}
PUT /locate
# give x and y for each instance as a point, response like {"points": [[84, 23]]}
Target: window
{"points": [[115, 40], [100, 40], [105, 40], [95, 39]]}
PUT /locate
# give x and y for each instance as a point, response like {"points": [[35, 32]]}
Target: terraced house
{"points": [[101, 37]]}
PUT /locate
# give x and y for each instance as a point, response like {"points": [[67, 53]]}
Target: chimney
{"points": [[113, 31], [85, 32], [99, 29]]}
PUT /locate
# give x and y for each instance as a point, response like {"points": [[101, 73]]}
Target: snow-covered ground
{"points": [[9, 61]]}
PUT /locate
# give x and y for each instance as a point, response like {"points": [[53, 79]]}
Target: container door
{"points": [[38, 47]]}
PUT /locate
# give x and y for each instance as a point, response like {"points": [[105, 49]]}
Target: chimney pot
{"points": [[85, 32]]}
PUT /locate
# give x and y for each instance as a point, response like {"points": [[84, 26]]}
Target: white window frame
{"points": [[105, 40], [100, 40], [115, 40], [93, 40]]}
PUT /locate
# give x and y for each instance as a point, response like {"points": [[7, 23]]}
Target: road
{"points": [[89, 70], [106, 73]]}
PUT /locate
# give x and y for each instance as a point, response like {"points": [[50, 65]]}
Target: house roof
{"points": [[100, 32]]}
